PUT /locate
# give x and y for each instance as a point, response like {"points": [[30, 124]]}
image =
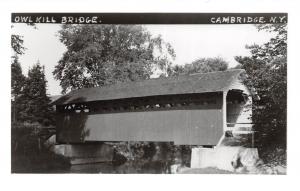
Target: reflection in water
{"points": [[157, 159], [131, 167]]}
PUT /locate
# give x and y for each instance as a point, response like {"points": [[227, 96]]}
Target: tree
{"points": [[17, 44], [17, 83], [17, 78], [201, 65], [267, 74], [35, 101], [275, 49], [98, 55]]}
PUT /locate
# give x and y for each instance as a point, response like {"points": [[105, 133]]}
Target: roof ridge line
{"points": [[216, 71]]}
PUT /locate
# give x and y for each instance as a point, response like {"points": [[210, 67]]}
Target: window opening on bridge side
{"points": [[154, 103]]}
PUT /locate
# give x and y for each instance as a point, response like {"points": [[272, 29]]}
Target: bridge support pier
{"points": [[85, 153], [225, 157]]}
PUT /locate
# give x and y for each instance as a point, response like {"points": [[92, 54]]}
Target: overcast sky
{"points": [[189, 42]]}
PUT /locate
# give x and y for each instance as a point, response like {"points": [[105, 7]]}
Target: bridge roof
{"points": [[182, 84]]}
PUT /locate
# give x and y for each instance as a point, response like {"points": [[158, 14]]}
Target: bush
{"points": [[28, 153]]}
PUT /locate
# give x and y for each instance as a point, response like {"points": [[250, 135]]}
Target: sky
{"points": [[190, 42]]}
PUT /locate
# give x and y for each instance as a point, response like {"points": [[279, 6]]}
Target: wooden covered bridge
{"points": [[188, 110]]}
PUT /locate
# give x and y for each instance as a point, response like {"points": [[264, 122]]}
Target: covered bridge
{"points": [[187, 110]]}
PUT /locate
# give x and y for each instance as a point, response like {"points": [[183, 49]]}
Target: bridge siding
{"points": [[202, 126]]}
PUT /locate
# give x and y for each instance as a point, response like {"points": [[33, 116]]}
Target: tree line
{"points": [[30, 102]]}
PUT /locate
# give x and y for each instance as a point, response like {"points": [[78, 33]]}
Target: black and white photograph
{"points": [[149, 93]]}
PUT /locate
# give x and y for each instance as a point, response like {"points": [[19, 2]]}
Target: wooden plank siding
{"points": [[202, 125]]}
